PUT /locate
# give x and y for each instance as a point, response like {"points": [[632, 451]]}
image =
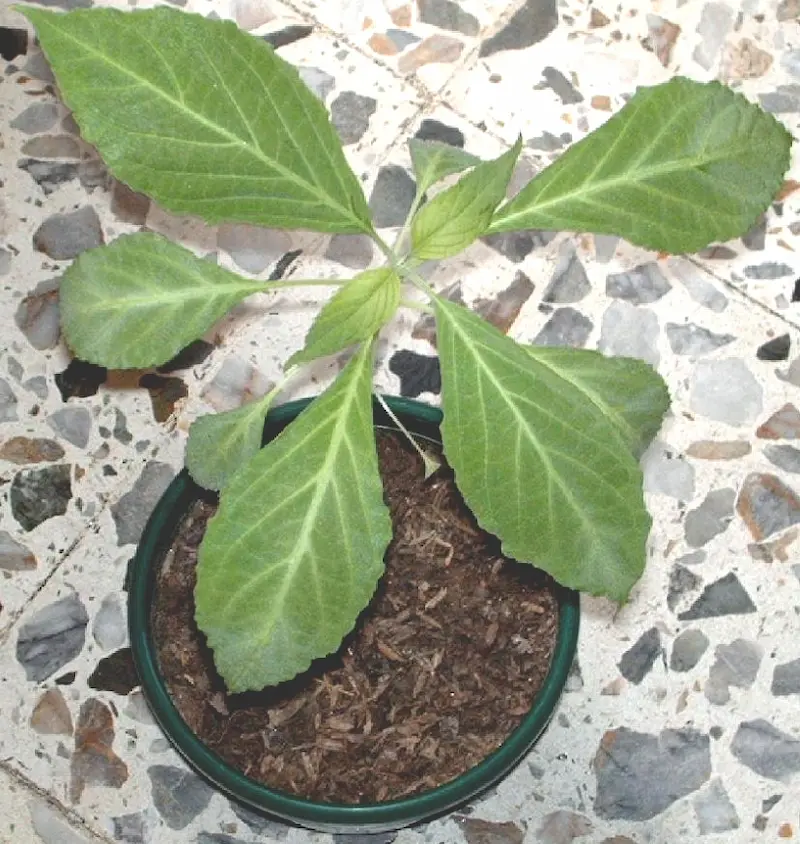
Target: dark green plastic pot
{"points": [[423, 421]]}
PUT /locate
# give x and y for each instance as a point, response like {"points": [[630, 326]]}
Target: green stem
{"points": [[416, 306], [267, 398], [303, 282], [398, 243]]}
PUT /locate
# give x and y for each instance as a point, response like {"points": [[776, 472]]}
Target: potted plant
{"points": [[544, 442]]}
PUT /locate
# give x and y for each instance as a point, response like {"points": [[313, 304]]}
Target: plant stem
{"points": [[303, 282], [268, 397], [430, 463], [416, 306], [398, 243]]}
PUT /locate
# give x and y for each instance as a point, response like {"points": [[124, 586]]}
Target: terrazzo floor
{"points": [[681, 720]]}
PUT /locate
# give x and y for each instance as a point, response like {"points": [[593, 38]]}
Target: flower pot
{"points": [[423, 421]]}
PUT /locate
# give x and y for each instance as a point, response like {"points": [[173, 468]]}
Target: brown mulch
{"points": [[441, 668]]}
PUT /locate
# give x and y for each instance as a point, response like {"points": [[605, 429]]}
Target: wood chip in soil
{"points": [[440, 669]]}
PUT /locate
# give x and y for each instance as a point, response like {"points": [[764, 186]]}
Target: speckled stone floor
{"points": [[681, 720]]}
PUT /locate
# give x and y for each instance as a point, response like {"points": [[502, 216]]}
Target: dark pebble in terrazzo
{"points": [[768, 271], [569, 282], [711, 518], [37, 495], [38, 67], [284, 37], [65, 236], [479, 831], [192, 355], [13, 42], [128, 206], [767, 505], [776, 349], [179, 795], [320, 82], [687, 650], [755, 238], [392, 196], [566, 327], [218, 838], [642, 285], [785, 457], [446, 14], [786, 679], [350, 114], [132, 828], [725, 596], [37, 117], [504, 308], [796, 291], [766, 750], [529, 25], [131, 512], [736, 665], [8, 402], [51, 637], [93, 761], [80, 379], [115, 673], [49, 175], [366, 838], [548, 142], [694, 340], [516, 246], [74, 424], [641, 775], [637, 662], [784, 100], [165, 393], [417, 373], [435, 130], [561, 86], [682, 581]]}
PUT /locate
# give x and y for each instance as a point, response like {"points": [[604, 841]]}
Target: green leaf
{"points": [[221, 443], [202, 117], [140, 300], [681, 165], [353, 314], [434, 160], [629, 393], [296, 548], [540, 464], [454, 218]]}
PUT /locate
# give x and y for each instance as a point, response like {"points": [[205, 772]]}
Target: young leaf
{"points": [[454, 218], [221, 443], [296, 548], [433, 160], [681, 165], [354, 313], [202, 117], [539, 464], [629, 393], [138, 301]]}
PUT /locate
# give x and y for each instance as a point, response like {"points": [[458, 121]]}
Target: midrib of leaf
{"points": [[551, 474], [632, 176], [234, 140], [339, 434], [592, 395]]}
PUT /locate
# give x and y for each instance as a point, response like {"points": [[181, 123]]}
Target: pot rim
{"points": [[422, 420]]}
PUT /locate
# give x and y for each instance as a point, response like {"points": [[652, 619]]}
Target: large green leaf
{"points": [[296, 548], [681, 165], [353, 314], [140, 300], [433, 160], [202, 117], [540, 464], [454, 218], [629, 393], [221, 443]]}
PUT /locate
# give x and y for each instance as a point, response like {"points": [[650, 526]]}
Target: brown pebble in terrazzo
{"points": [[718, 449], [382, 45], [438, 49], [661, 38], [784, 424], [746, 60], [23, 450], [601, 102], [597, 19], [401, 16]]}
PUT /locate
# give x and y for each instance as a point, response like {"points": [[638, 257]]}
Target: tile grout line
{"points": [[742, 294], [69, 816]]}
